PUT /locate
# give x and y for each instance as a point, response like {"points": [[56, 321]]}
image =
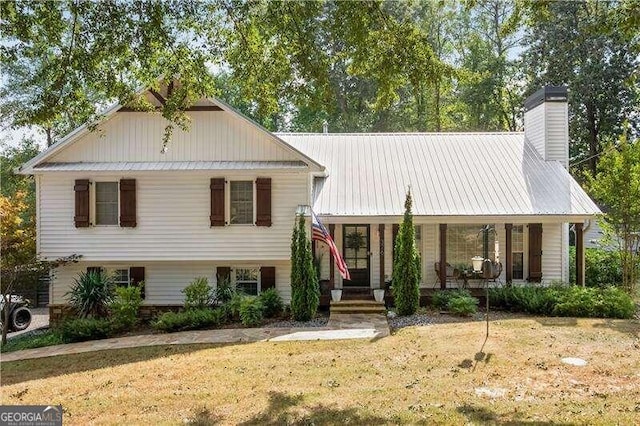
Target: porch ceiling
{"points": [[450, 174]]}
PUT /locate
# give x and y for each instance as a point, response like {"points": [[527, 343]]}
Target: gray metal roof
{"points": [[170, 165], [457, 174]]}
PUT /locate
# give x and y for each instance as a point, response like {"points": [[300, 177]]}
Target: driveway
{"points": [[39, 319]]}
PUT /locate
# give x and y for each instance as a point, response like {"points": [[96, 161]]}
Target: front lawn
{"points": [[440, 373]]}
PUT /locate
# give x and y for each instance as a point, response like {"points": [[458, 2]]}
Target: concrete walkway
{"points": [[344, 327]]}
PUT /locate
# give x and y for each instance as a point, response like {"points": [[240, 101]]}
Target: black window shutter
{"points": [[81, 189], [128, 203], [223, 273], [535, 252], [136, 276], [94, 269], [267, 277], [263, 199], [217, 202]]}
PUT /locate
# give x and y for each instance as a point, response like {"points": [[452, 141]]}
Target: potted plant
{"points": [[336, 295], [378, 294]]}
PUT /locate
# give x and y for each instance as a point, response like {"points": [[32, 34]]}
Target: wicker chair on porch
{"points": [[452, 274]]}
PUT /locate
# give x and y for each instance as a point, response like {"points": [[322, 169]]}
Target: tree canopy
{"points": [[371, 65]]}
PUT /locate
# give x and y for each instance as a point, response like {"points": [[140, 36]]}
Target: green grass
{"points": [[31, 341], [418, 375]]}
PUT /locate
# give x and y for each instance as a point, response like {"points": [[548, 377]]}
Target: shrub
{"points": [[602, 267], [272, 303], [32, 340], [609, 302], [124, 308], [224, 291], [462, 305], [532, 300], [305, 289], [82, 329], [406, 266], [440, 298], [251, 311], [615, 303], [232, 307], [191, 319], [198, 295], [91, 294]]}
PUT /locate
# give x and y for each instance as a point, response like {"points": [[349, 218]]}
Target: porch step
{"points": [[357, 307], [357, 293]]}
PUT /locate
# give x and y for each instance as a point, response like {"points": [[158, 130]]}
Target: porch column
{"points": [[332, 281], [381, 233], [443, 255], [508, 256], [579, 253]]}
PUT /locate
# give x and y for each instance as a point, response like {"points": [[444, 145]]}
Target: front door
{"points": [[355, 240]]}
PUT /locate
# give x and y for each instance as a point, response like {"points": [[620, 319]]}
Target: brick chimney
{"points": [[546, 123]]}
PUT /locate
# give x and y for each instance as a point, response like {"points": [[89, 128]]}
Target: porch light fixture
{"points": [[477, 263]]}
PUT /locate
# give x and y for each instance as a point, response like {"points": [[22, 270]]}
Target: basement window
{"points": [[247, 280]]}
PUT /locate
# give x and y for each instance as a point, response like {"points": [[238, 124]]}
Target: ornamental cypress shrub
{"points": [[406, 265], [305, 289]]}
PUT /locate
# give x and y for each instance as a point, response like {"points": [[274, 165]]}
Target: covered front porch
{"points": [[526, 252]]}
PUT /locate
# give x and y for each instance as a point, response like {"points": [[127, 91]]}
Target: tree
{"points": [[616, 186], [579, 44], [305, 289], [63, 60], [406, 265], [19, 264]]}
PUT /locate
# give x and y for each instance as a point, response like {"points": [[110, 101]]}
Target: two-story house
{"points": [[222, 200]]}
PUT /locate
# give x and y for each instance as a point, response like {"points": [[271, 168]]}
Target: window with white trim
{"points": [[106, 202], [241, 202], [121, 277], [247, 280], [517, 248], [467, 241]]}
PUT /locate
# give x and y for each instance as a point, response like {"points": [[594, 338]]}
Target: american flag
{"points": [[319, 232]]}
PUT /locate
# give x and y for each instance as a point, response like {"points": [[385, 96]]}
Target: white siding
{"points": [[165, 280], [429, 244], [552, 252], [173, 221], [557, 132], [547, 128], [534, 128], [137, 136]]}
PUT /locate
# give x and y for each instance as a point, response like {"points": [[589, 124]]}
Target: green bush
{"points": [[406, 265], [251, 311], [30, 341], [305, 288], [272, 303], [125, 306], [224, 291], [602, 268], [191, 319], [82, 329], [232, 307], [198, 295], [532, 300], [462, 305], [91, 294], [608, 302], [440, 298]]}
